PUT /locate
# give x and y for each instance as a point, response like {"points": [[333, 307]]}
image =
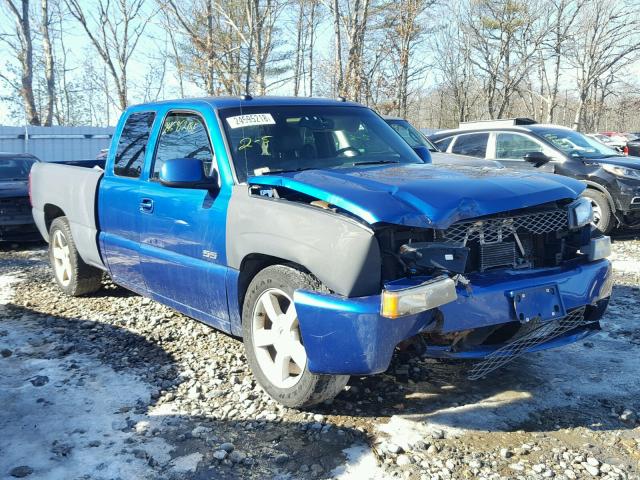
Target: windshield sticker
{"points": [[251, 120]]}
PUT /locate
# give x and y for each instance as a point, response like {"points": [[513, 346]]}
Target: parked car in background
{"points": [[608, 141], [16, 221], [416, 139], [633, 144], [612, 179], [309, 228]]}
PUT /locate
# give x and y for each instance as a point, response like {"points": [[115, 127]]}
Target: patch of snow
{"points": [[626, 266], [186, 463], [72, 426], [6, 287], [361, 464]]}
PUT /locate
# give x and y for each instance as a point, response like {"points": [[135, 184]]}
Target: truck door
{"points": [[118, 202], [183, 230]]}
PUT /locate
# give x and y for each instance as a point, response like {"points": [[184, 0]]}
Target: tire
{"points": [[271, 290], [73, 276], [602, 216]]}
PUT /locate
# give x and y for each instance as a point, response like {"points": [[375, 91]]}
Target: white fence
{"points": [[56, 143]]}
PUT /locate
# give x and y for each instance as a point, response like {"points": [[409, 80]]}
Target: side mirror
{"points": [[537, 158], [187, 173], [424, 153]]}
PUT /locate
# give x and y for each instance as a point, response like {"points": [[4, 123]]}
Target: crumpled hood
{"points": [[13, 188], [423, 195]]}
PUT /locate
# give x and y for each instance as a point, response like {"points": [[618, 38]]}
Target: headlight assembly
{"points": [[619, 171], [408, 301], [580, 213]]}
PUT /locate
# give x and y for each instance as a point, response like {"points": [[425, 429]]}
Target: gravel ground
{"points": [[118, 386]]}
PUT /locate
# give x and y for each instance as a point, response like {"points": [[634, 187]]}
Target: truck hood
{"points": [[629, 162], [13, 188], [425, 195], [441, 158]]}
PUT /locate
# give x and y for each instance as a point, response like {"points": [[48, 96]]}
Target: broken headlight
{"points": [[580, 213], [428, 295]]}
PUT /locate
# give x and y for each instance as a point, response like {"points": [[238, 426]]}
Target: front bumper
{"points": [[349, 336]]}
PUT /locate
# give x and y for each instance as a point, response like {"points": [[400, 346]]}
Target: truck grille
{"points": [[519, 241], [530, 336], [494, 230]]}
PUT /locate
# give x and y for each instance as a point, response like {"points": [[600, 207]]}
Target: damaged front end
{"points": [[490, 289]]}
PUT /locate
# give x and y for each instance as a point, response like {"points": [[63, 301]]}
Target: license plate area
{"points": [[543, 303]]}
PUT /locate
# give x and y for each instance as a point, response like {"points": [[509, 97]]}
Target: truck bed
{"points": [[73, 190]]}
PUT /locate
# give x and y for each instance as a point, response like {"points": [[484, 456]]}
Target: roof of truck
{"points": [[266, 101]]}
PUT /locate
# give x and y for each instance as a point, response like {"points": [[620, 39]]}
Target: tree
{"points": [[608, 42], [306, 25], [23, 50], [49, 72], [406, 27], [504, 38], [114, 33]]}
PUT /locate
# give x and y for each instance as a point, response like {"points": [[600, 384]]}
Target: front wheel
{"points": [[273, 342], [602, 215]]}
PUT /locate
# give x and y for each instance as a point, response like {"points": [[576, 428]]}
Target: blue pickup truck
{"points": [[312, 230]]}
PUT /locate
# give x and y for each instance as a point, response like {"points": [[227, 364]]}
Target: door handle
{"points": [[146, 205]]}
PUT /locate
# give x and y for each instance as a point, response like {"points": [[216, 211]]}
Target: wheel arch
{"points": [[254, 263], [612, 205], [51, 212]]}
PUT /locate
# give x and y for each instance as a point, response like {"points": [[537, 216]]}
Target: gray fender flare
{"points": [[341, 252]]}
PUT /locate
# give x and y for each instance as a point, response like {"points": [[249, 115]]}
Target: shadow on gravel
{"points": [[81, 399], [22, 246], [625, 235]]}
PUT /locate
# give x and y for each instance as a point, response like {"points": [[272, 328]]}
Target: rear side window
{"points": [[473, 144], [183, 136], [515, 146], [132, 145], [443, 144]]}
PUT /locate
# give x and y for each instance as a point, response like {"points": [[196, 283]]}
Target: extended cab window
{"points": [[472, 144], [132, 145], [183, 135], [515, 146]]}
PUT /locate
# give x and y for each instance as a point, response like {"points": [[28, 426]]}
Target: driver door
{"points": [[182, 232]]}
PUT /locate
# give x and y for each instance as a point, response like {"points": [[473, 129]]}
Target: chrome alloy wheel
{"points": [[276, 339], [597, 212], [62, 258]]}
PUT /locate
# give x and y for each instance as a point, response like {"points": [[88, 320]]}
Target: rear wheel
{"points": [[602, 216], [273, 342], [73, 276]]}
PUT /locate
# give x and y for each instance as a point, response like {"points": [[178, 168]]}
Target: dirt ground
{"points": [[115, 386]]}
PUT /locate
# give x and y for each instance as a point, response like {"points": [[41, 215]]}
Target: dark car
{"points": [[633, 144], [16, 221], [612, 179]]}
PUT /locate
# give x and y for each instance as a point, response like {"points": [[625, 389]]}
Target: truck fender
{"points": [[341, 252]]}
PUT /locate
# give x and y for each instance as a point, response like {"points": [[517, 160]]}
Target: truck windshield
{"points": [[274, 139], [576, 144], [14, 169]]}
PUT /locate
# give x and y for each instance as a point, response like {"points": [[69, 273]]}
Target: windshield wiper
{"points": [[284, 170], [374, 162]]}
